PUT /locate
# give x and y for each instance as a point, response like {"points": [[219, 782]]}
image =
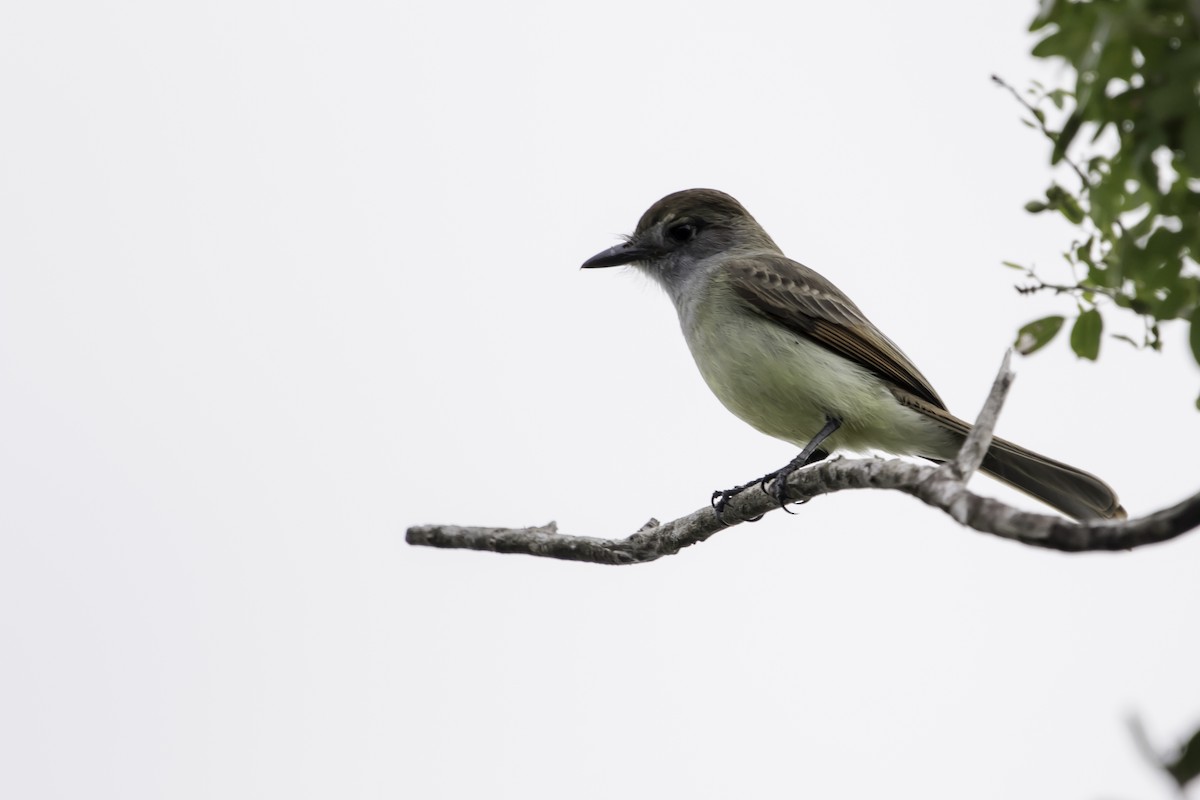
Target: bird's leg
{"points": [[811, 454], [779, 490]]}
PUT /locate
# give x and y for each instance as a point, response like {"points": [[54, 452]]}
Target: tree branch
{"points": [[943, 487], [1040, 120]]}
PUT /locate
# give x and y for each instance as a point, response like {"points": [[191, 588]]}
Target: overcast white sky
{"points": [[278, 280]]}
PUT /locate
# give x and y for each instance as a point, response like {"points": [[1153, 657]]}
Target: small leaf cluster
{"points": [[1129, 131], [1184, 766]]}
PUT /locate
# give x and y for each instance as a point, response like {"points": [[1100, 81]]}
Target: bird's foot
{"points": [[778, 488], [777, 480], [721, 498]]}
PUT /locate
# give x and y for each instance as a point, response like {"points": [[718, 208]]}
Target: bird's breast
{"points": [[786, 385]]}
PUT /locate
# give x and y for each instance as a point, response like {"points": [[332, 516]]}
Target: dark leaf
{"points": [[1187, 766], [1085, 335], [1194, 341], [1056, 44], [1191, 143], [1084, 251], [1037, 334], [1180, 301], [1071, 209], [1070, 128]]}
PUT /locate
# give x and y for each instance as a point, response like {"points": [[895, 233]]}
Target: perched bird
{"points": [[786, 351]]}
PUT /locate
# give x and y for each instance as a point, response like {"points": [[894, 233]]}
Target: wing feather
{"points": [[796, 298]]}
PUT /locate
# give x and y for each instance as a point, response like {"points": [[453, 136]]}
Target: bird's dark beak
{"points": [[625, 253]]}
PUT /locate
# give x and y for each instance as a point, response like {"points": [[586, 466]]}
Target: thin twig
{"points": [[1049, 134], [1059, 288], [971, 454]]}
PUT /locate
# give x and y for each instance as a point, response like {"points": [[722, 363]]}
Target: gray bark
{"points": [[942, 487]]}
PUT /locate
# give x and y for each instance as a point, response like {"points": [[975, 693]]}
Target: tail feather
{"points": [[1072, 491]]}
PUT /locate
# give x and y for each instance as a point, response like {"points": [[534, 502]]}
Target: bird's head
{"points": [[682, 230]]}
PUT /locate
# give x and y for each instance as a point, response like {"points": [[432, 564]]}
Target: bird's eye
{"points": [[682, 232]]}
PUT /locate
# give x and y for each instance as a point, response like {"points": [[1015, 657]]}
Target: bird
{"points": [[789, 353]]}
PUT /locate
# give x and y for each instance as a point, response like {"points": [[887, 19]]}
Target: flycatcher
{"points": [[783, 349]]}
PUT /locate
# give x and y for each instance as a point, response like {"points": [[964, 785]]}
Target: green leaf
{"points": [[1070, 128], [1071, 209], [1191, 143], [1085, 335], [1084, 251], [1035, 206], [1037, 334], [1186, 766], [1194, 334], [1012, 265], [1180, 302], [1056, 44]]}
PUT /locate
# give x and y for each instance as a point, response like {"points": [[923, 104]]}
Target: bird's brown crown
{"points": [[706, 204]]}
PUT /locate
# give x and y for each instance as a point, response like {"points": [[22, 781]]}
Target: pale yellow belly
{"points": [[787, 386]]}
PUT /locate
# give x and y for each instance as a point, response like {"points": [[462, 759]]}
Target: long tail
{"points": [[1067, 488], [1072, 491]]}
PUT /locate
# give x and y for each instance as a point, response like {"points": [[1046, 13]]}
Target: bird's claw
{"points": [[721, 498], [779, 490]]}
